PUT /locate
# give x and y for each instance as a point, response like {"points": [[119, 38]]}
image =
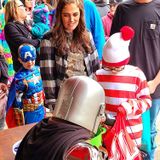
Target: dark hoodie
{"points": [[50, 139]]}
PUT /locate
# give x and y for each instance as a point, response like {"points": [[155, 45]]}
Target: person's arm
{"points": [[20, 86], [94, 56], [48, 73], [154, 83], [14, 35], [142, 101]]}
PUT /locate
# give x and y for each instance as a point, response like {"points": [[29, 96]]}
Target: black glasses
{"points": [[114, 69]]}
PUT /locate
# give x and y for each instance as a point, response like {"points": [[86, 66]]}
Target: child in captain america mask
{"points": [[27, 56], [29, 99]]}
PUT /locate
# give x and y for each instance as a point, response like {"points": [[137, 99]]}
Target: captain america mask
{"points": [[27, 53]]}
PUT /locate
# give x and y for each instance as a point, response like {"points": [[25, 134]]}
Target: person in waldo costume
{"points": [[26, 95], [125, 86]]}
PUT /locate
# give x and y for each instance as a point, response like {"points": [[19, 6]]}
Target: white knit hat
{"points": [[116, 49]]}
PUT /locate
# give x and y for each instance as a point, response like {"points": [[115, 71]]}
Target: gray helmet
{"points": [[81, 100]]}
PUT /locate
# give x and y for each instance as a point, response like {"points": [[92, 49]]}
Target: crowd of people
{"points": [[60, 50]]}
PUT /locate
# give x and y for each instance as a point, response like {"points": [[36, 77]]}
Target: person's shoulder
{"points": [[46, 43], [46, 40], [11, 25], [36, 69], [134, 70], [107, 17], [8, 24], [20, 75], [101, 71]]}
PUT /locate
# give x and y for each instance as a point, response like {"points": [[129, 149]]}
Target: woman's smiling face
{"points": [[70, 17]]}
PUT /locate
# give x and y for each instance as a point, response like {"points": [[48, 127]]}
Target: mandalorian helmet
{"points": [[81, 100]]}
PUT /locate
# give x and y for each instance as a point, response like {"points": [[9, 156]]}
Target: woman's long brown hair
{"points": [[11, 11]]}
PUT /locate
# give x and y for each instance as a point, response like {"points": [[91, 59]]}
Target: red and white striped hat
{"points": [[116, 49]]}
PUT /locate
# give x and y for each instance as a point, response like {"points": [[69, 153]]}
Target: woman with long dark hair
{"points": [[68, 50]]}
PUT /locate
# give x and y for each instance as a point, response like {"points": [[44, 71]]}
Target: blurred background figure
{"points": [[107, 19], [102, 6]]}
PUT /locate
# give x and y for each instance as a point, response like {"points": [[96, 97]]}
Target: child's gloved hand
{"points": [[126, 108], [122, 111]]}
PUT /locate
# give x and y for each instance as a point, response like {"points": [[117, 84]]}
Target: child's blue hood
{"points": [[41, 13]]}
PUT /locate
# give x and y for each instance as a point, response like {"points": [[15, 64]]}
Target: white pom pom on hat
{"points": [[116, 49]]}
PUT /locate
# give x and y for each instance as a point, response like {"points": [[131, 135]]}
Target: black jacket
{"points": [[16, 34]]}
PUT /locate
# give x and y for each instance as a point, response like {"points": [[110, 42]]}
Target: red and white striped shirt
{"points": [[129, 89]]}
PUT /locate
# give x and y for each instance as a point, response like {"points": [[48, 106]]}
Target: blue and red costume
{"points": [[27, 104]]}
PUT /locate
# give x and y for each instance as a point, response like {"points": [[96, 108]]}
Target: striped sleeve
{"points": [[128, 88], [142, 102]]}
